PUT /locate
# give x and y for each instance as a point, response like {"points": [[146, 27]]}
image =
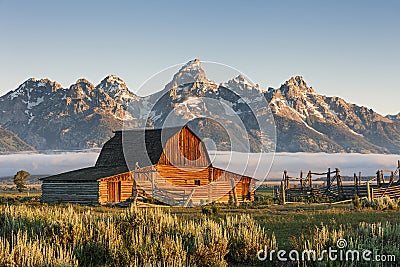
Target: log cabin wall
{"points": [[185, 149], [184, 176], [85, 193], [244, 185], [117, 188]]}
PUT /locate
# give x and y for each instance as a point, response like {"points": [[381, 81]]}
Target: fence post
{"points": [[328, 179], [134, 185], [339, 182], [356, 183], [368, 191], [283, 193], [301, 180], [286, 179], [398, 168], [309, 179], [235, 199]]}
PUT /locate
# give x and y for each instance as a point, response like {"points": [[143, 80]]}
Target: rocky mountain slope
{"points": [[47, 116], [10, 142]]}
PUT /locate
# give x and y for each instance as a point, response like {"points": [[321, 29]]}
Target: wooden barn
{"points": [[171, 165]]}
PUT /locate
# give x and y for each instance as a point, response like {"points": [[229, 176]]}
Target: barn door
{"points": [[114, 191], [245, 189]]}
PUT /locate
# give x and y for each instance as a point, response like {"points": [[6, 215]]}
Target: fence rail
{"points": [[294, 188]]}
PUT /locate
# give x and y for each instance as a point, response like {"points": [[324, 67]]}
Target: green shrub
{"points": [[382, 203]]}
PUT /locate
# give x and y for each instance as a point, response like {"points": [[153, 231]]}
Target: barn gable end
{"points": [[185, 149]]}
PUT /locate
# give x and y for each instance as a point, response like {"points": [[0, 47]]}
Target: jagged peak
{"points": [[296, 80], [297, 83], [193, 64], [189, 73], [83, 80], [112, 78], [40, 83], [33, 84], [84, 85], [114, 85], [241, 82], [241, 79]]}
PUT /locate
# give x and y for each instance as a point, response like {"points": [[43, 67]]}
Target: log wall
{"points": [[126, 180], [85, 193], [244, 186], [168, 177], [184, 176]]}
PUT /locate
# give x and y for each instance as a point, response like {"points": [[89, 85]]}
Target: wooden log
{"points": [[328, 178], [398, 169], [235, 199], [286, 178], [283, 193], [369, 191], [301, 180], [189, 198], [378, 177], [339, 182]]}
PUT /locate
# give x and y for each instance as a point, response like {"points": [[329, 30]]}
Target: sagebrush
{"points": [[64, 236]]}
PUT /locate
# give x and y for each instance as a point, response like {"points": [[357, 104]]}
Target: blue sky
{"points": [[344, 48]]}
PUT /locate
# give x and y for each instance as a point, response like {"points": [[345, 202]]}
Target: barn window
{"points": [[197, 182]]}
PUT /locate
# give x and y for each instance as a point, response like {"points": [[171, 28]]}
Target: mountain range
{"points": [[42, 115]]}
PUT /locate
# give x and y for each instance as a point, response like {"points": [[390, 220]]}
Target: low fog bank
{"points": [[237, 162], [46, 163], [349, 164]]}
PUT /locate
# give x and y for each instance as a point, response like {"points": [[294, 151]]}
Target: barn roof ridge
{"points": [[151, 129]]}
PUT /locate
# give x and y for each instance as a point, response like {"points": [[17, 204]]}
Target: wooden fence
{"points": [[304, 187]]}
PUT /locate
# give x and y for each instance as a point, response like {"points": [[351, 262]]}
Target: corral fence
{"points": [[330, 185]]}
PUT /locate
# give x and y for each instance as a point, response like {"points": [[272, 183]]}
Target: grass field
{"points": [[236, 231]]}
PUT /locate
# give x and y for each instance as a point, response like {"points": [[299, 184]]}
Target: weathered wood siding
{"points": [[85, 193], [126, 181], [244, 186], [184, 176], [184, 149]]}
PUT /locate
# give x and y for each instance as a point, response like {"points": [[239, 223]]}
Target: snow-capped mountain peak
{"points": [[191, 72], [241, 83], [47, 116], [116, 88], [297, 84], [31, 85], [112, 84]]}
